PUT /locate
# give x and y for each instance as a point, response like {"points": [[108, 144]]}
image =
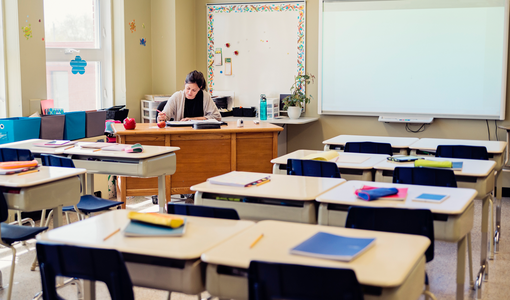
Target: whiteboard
{"points": [[414, 58], [266, 45]]}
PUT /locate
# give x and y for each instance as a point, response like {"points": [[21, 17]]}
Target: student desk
{"points": [[166, 263], [348, 170], [453, 218], [154, 161], [285, 198], [394, 268], [50, 188], [399, 145], [203, 153], [496, 151]]}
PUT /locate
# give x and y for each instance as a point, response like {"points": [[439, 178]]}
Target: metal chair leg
{"points": [[470, 261]]}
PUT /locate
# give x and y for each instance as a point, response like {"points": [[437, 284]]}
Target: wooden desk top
{"points": [[386, 264], [282, 120], [457, 202], [151, 128], [45, 175], [396, 142], [300, 188], [201, 235], [431, 144]]}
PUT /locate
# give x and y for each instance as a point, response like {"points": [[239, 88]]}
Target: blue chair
{"points": [[11, 154], [368, 147], [9, 234], [425, 176], [398, 220], [267, 281], [202, 211], [314, 168], [93, 264], [88, 203], [460, 151]]}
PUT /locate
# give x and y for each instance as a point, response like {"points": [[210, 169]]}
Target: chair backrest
{"points": [[461, 151], [161, 106], [56, 161], [96, 264], [4, 211], [399, 220], [202, 211], [267, 281], [315, 168], [425, 176], [368, 147], [12, 154]]}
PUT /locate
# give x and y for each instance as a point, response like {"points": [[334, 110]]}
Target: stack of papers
{"points": [[240, 179], [55, 144]]}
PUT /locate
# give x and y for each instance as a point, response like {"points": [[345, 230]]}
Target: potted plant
{"points": [[298, 98]]}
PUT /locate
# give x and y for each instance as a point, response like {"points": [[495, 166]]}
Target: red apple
{"points": [[129, 123], [162, 124]]}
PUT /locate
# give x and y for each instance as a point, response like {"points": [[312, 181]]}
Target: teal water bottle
{"points": [[263, 107]]}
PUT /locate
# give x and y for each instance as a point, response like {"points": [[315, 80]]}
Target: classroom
{"points": [[150, 47]]}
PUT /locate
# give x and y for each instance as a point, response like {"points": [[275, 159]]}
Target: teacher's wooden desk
{"points": [[453, 218], [154, 161], [352, 166], [165, 263], [399, 145], [394, 268], [203, 153], [284, 198]]}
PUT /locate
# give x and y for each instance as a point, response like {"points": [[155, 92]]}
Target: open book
{"points": [[331, 246], [240, 179]]}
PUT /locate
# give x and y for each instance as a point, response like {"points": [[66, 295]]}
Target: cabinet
{"points": [[148, 110]]}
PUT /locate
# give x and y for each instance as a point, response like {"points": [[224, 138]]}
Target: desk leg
{"points": [[461, 267], [162, 193], [499, 189], [483, 274], [89, 290], [90, 184], [121, 190], [57, 216]]}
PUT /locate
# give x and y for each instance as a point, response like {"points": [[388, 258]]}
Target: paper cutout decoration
{"points": [[218, 61], [143, 42], [45, 105], [132, 26], [228, 66], [236, 52], [78, 65], [227, 45], [143, 25], [27, 31]]}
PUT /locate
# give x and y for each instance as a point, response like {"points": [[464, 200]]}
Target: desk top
{"points": [[148, 151], [470, 167], [301, 188], [431, 144], [149, 128], [386, 264], [281, 120], [45, 175], [372, 160], [457, 202], [396, 142], [201, 235]]}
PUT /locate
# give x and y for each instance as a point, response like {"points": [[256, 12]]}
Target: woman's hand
{"points": [[196, 118], [161, 117]]}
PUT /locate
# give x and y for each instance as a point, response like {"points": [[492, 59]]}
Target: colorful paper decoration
{"points": [[236, 52], [78, 65], [143, 25], [132, 26], [27, 31], [218, 61], [143, 42], [227, 45], [228, 66]]}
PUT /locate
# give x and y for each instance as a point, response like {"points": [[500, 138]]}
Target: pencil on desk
{"points": [[257, 240], [28, 172], [96, 150], [69, 147], [111, 234]]}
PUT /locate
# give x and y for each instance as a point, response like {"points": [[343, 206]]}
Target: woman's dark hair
{"points": [[198, 78]]}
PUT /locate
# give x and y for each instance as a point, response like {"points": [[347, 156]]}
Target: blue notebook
{"points": [[330, 246], [141, 229]]}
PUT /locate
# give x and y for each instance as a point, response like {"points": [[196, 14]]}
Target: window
{"points": [[78, 32]]}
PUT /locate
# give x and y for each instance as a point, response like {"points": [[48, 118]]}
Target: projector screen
{"points": [[413, 58]]}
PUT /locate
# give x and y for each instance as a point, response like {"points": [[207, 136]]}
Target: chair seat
{"points": [[16, 233], [91, 204]]}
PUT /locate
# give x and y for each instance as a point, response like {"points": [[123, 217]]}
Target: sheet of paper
{"points": [[228, 66], [218, 60], [351, 159]]}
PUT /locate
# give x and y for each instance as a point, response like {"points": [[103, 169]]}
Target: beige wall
{"points": [[310, 136]]}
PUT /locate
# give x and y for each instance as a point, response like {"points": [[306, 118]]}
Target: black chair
{"points": [[267, 281], [161, 106], [368, 147], [398, 220], [461, 151], [9, 234], [88, 203], [203, 211], [425, 176], [11, 154], [314, 168], [93, 264]]}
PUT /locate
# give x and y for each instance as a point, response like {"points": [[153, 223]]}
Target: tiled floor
{"points": [[441, 270]]}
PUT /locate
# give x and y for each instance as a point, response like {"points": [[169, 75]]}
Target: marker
{"points": [[256, 240]]}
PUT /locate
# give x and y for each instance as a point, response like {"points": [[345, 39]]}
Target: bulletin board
{"points": [[255, 48]]}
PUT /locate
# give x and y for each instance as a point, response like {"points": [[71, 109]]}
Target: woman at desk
{"points": [[192, 103]]}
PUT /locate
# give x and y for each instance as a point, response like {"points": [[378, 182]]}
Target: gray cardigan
{"points": [[174, 108]]}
